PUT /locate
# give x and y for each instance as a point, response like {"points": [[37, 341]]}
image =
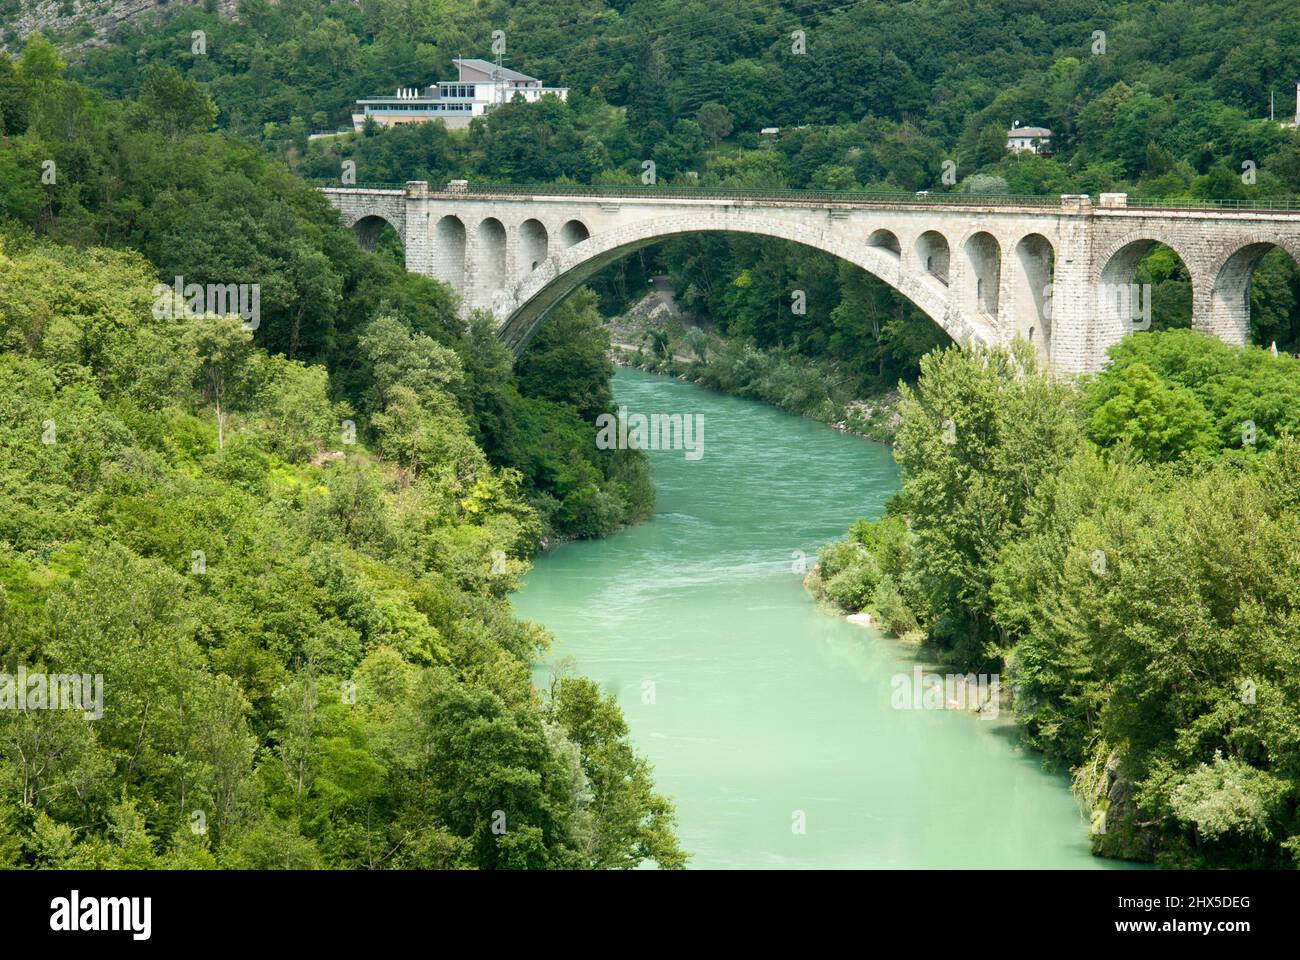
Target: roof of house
{"points": [[1017, 133], [490, 68]]}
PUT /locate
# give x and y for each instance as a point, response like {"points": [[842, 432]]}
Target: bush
{"points": [[891, 609], [837, 556], [852, 588]]}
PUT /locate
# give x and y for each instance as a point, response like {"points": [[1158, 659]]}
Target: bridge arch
{"points": [[918, 247], [983, 273], [367, 230], [489, 261], [572, 233], [570, 267], [883, 239], [1119, 260], [449, 252], [1122, 308], [1228, 277], [1032, 268], [533, 244]]}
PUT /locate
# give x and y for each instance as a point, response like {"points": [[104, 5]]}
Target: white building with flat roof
{"points": [[479, 86]]}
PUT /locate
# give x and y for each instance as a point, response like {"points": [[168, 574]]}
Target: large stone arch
{"points": [[1222, 297], [568, 268], [1118, 312], [367, 228]]}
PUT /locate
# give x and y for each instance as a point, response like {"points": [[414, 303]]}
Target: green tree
{"points": [[1159, 421], [714, 120], [223, 348]]}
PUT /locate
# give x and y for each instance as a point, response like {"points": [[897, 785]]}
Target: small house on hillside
{"points": [[1033, 139]]}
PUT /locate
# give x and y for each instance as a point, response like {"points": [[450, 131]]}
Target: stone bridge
{"points": [[1056, 272]]}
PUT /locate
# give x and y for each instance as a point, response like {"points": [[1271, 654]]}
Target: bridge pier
{"points": [[1056, 273]]}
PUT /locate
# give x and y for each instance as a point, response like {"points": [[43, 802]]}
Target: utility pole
{"points": [[501, 80]]}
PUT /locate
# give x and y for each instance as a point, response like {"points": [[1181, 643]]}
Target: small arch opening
{"points": [[573, 232], [449, 252], [490, 261], [885, 240], [1033, 269], [932, 252], [984, 257], [377, 235], [533, 243]]}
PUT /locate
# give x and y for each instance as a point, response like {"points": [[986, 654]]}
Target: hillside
{"points": [[84, 23]]}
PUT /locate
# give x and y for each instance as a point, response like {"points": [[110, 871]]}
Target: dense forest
{"points": [[286, 550]]}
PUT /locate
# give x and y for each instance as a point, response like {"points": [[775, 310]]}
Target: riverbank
{"points": [[863, 580], [1112, 552], [655, 336]]}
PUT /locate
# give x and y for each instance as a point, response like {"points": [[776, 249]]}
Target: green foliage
{"points": [[1160, 422], [630, 823], [1181, 391], [849, 574], [550, 430], [978, 435], [306, 653], [1142, 608]]}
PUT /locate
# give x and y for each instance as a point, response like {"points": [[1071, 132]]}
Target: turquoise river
{"points": [[768, 719]]}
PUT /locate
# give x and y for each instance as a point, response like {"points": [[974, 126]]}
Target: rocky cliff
{"points": [[75, 23]]}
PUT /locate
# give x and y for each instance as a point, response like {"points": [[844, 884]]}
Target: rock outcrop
{"points": [[83, 23]]}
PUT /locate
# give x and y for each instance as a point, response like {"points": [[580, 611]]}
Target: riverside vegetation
{"points": [[288, 551], [1123, 553]]}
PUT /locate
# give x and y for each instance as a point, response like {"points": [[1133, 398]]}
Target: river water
{"points": [[768, 719]]}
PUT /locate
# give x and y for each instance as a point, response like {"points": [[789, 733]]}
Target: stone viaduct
{"points": [[1056, 272]]}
